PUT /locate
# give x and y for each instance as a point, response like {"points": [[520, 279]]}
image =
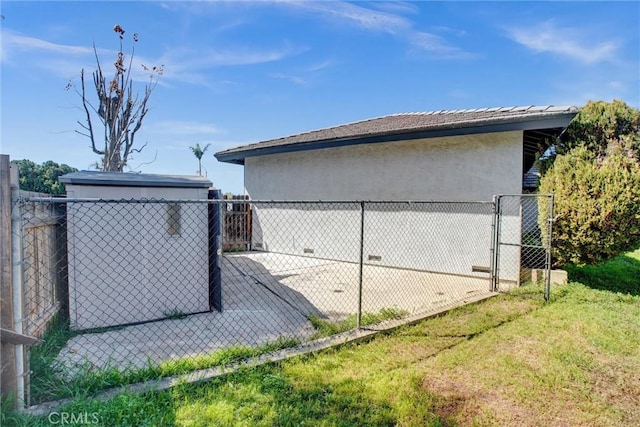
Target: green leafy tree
{"points": [[199, 152], [42, 178]]}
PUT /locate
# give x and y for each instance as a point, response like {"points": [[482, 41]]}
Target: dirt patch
{"points": [[455, 402], [619, 387], [460, 402]]}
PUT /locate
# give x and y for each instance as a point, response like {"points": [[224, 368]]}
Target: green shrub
{"points": [[597, 206], [600, 124]]}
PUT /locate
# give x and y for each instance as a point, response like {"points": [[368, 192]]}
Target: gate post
{"points": [[216, 222], [547, 283], [495, 244], [361, 262]]}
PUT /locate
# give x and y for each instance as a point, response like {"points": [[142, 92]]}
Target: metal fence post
{"points": [[496, 244], [216, 224], [492, 250], [361, 262], [547, 284]]}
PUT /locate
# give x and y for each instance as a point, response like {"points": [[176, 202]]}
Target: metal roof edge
{"points": [[127, 179]]}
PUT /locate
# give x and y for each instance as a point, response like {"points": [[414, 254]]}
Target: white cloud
{"points": [[382, 21], [449, 30], [382, 17], [190, 66], [437, 46], [356, 15], [396, 7], [565, 41], [64, 60], [14, 41], [305, 76], [179, 64], [320, 65], [182, 128], [293, 79], [244, 56]]}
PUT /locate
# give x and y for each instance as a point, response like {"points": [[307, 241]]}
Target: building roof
{"points": [[397, 127], [128, 179]]}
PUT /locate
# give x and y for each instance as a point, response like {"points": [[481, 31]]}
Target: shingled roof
{"points": [[406, 126]]}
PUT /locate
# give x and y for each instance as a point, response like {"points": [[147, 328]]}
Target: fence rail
{"points": [[159, 282]]}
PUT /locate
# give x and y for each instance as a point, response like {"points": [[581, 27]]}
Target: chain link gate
{"points": [[522, 244]]}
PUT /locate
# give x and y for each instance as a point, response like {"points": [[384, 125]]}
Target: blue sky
{"points": [[242, 72]]}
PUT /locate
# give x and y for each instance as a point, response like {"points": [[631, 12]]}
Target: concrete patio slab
{"points": [[268, 296]]}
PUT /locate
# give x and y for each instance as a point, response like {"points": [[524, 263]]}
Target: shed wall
{"points": [[125, 267]]}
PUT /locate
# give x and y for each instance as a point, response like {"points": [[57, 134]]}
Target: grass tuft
{"points": [[327, 328], [619, 274]]}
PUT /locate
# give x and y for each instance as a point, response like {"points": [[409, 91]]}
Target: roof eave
{"points": [[125, 179], [524, 123]]}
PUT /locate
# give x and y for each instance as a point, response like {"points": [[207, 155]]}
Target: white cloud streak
{"points": [[381, 21], [14, 41], [189, 66], [185, 59], [300, 81], [396, 7], [182, 65], [182, 128], [356, 15], [547, 37], [437, 46]]}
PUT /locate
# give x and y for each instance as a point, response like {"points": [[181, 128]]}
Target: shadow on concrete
{"points": [[241, 270], [257, 309]]}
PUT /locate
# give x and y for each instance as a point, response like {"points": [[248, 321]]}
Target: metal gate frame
{"points": [[521, 245]]}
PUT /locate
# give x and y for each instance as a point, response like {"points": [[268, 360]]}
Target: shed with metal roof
{"points": [[135, 254]]}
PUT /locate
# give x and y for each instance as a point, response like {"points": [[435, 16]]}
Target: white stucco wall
{"points": [[462, 168], [125, 267], [429, 237], [471, 167]]}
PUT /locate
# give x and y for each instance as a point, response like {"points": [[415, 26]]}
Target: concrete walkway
{"points": [[267, 297], [252, 315]]}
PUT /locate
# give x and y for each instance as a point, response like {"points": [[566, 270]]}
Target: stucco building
{"points": [[458, 155]]}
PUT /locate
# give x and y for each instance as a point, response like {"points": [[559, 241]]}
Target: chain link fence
{"points": [[172, 283]]}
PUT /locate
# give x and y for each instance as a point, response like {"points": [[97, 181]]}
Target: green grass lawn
{"points": [[505, 361]]}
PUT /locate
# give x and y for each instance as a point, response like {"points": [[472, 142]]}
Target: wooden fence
{"points": [[44, 263], [33, 278], [237, 223]]}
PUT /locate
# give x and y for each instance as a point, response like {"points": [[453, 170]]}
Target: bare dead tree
{"points": [[120, 110]]}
